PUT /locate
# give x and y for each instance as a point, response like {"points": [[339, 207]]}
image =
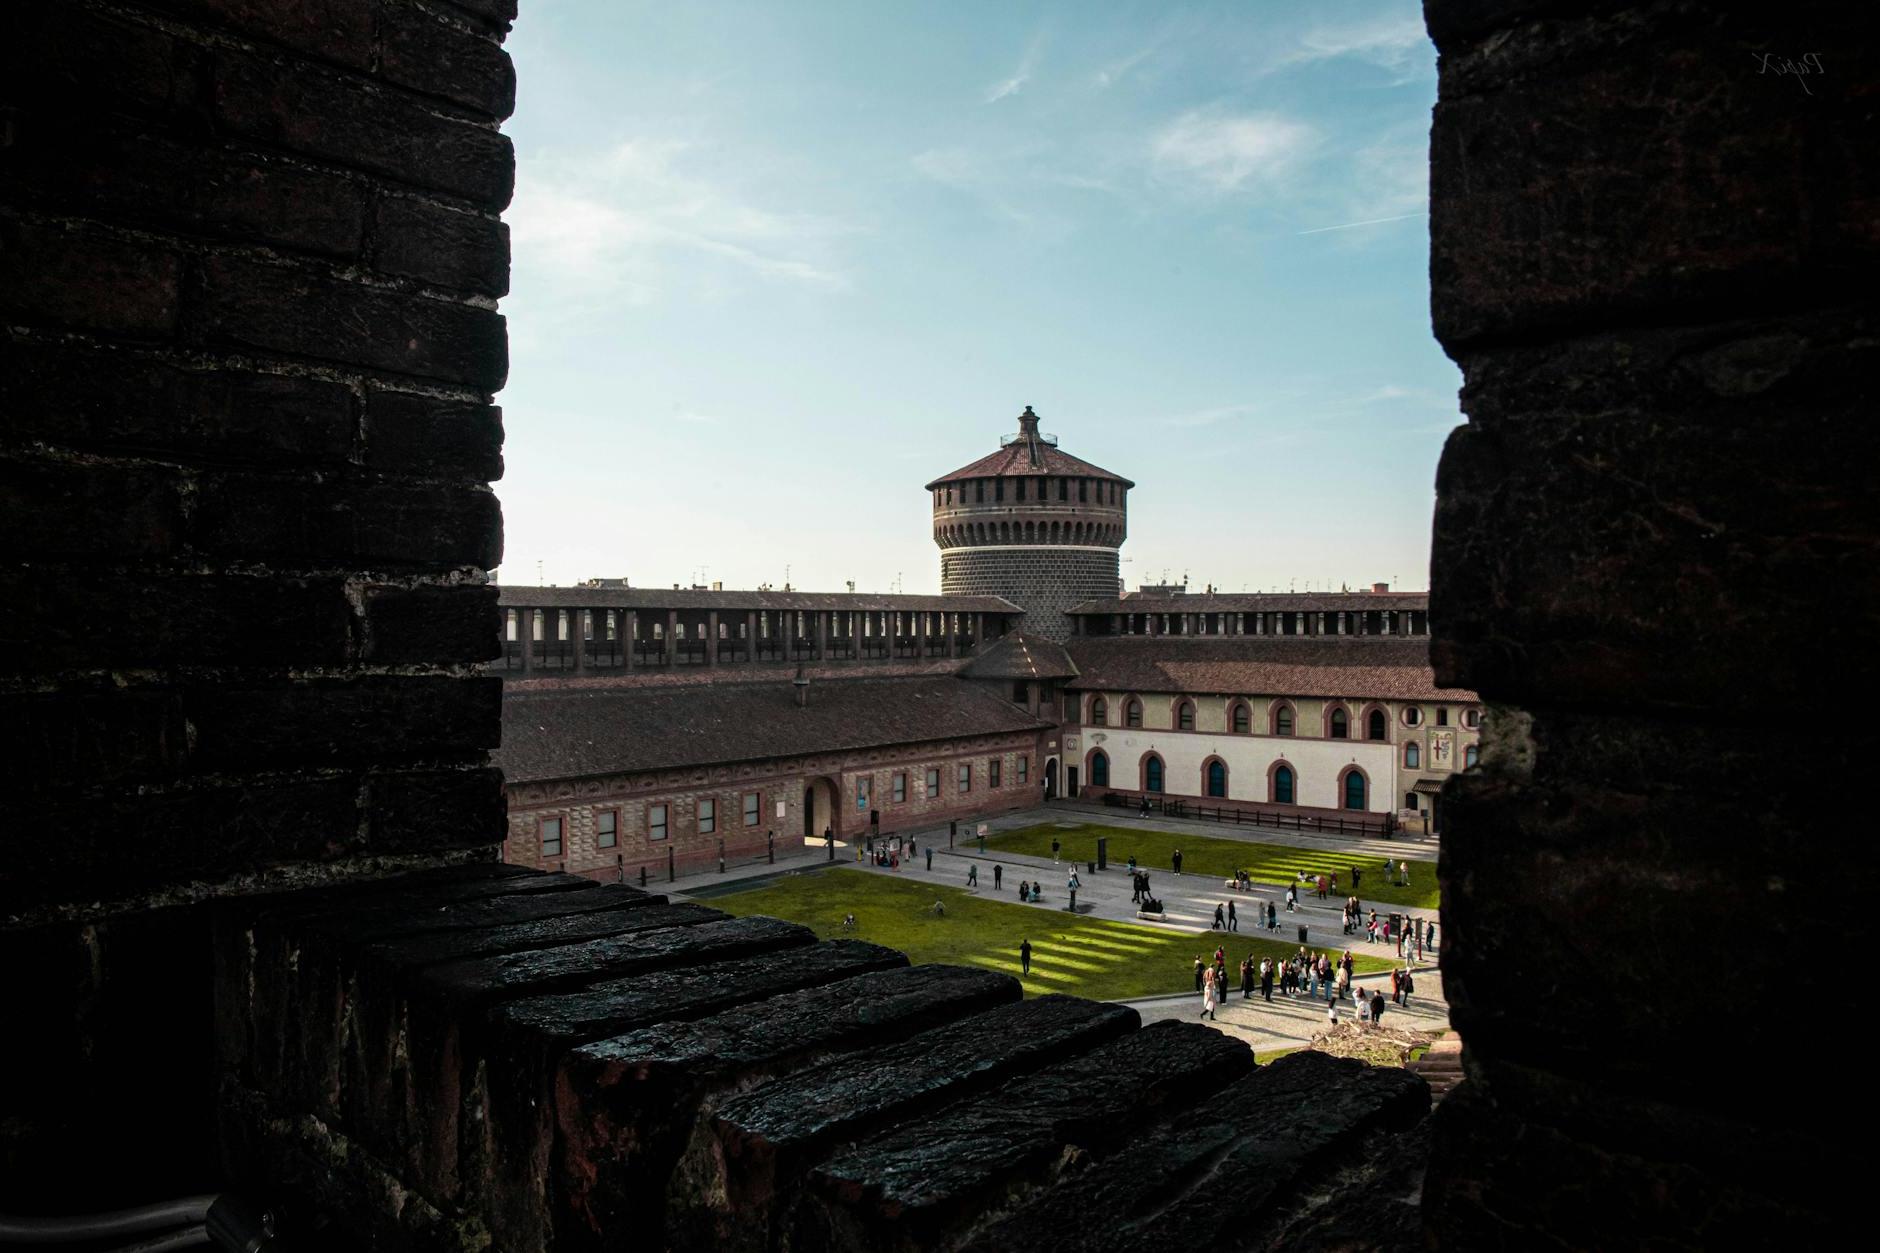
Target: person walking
{"points": [[1396, 986], [1331, 1015], [1272, 916], [1409, 986], [1208, 1000], [972, 875], [1266, 979], [1024, 956], [1403, 868], [1220, 918], [998, 876], [1176, 860], [1054, 850], [1233, 919], [1246, 979], [1354, 879], [930, 861], [1292, 897], [1377, 1006], [1199, 969]]}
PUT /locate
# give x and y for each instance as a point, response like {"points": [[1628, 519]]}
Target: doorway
{"points": [[1050, 778], [1070, 782]]}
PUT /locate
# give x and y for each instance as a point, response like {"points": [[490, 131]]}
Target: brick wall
{"points": [[782, 781], [1046, 582], [1655, 543], [249, 260]]}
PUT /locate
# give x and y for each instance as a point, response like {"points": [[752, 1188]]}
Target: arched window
{"points": [[1412, 756], [1185, 716], [1217, 778], [1339, 725], [1099, 712], [1471, 757], [1099, 769], [1375, 726], [1132, 713], [1410, 801], [1412, 716], [1472, 718], [1241, 719], [1354, 789], [1282, 719], [1152, 773], [1283, 785]]}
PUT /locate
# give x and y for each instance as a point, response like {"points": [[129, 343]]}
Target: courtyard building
{"points": [[652, 732]]}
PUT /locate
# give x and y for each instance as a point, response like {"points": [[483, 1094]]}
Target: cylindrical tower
{"points": [[1033, 524]]}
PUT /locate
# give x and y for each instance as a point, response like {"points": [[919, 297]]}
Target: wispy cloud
{"points": [[1208, 417], [1226, 152], [1395, 42], [1345, 226], [1116, 71], [607, 221], [1015, 82]]}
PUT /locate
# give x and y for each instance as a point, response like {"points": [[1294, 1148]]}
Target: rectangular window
{"points": [[655, 822], [1024, 768], [1442, 716], [753, 808], [707, 817], [607, 828], [998, 489], [992, 771], [1020, 694], [900, 788], [551, 837], [933, 780], [1021, 489], [966, 777]]}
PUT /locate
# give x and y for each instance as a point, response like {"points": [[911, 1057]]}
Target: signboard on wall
{"points": [[1070, 743], [782, 808], [1442, 750]]}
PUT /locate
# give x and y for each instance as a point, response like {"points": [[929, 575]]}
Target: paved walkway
{"points": [[1290, 1022]]}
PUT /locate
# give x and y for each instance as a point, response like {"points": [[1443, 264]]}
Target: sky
{"points": [[777, 266]]}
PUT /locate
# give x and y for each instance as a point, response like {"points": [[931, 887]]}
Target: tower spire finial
{"points": [[1028, 424]]}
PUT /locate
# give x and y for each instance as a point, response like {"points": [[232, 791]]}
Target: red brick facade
{"points": [[836, 779]]}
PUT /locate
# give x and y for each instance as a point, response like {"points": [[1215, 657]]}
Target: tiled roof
{"points": [[1255, 602], [523, 595], [576, 732], [1014, 461], [1384, 669], [1021, 656]]}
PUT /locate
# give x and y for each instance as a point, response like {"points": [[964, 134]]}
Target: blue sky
{"points": [[778, 265]]}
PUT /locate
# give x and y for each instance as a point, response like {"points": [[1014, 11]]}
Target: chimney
{"points": [[1380, 587], [801, 684]]}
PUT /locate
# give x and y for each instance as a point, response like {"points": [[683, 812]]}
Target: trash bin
{"points": [[1093, 867], [1302, 935]]}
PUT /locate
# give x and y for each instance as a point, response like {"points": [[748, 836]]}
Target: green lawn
{"points": [[1104, 960], [1212, 855]]}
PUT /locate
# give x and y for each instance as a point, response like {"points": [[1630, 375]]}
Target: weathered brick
{"points": [[497, 13], [114, 401], [414, 810], [419, 50], [626, 1106], [93, 739], [353, 122], [1227, 1170], [744, 1174], [56, 621], [339, 30], [440, 245], [432, 623], [428, 437], [126, 841], [386, 524], [137, 177], [300, 311], [926, 1184], [63, 275], [508, 1149], [381, 719], [52, 507], [75, 59]]}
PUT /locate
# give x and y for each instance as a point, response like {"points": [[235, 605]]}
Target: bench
{"points": [[1152, 917]]}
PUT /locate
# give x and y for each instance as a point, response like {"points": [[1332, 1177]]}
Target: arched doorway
{"points": [[819, 807], [1051, 779]]}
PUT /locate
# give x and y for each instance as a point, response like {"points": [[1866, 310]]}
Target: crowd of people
{"points": [[1303, 976]]}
